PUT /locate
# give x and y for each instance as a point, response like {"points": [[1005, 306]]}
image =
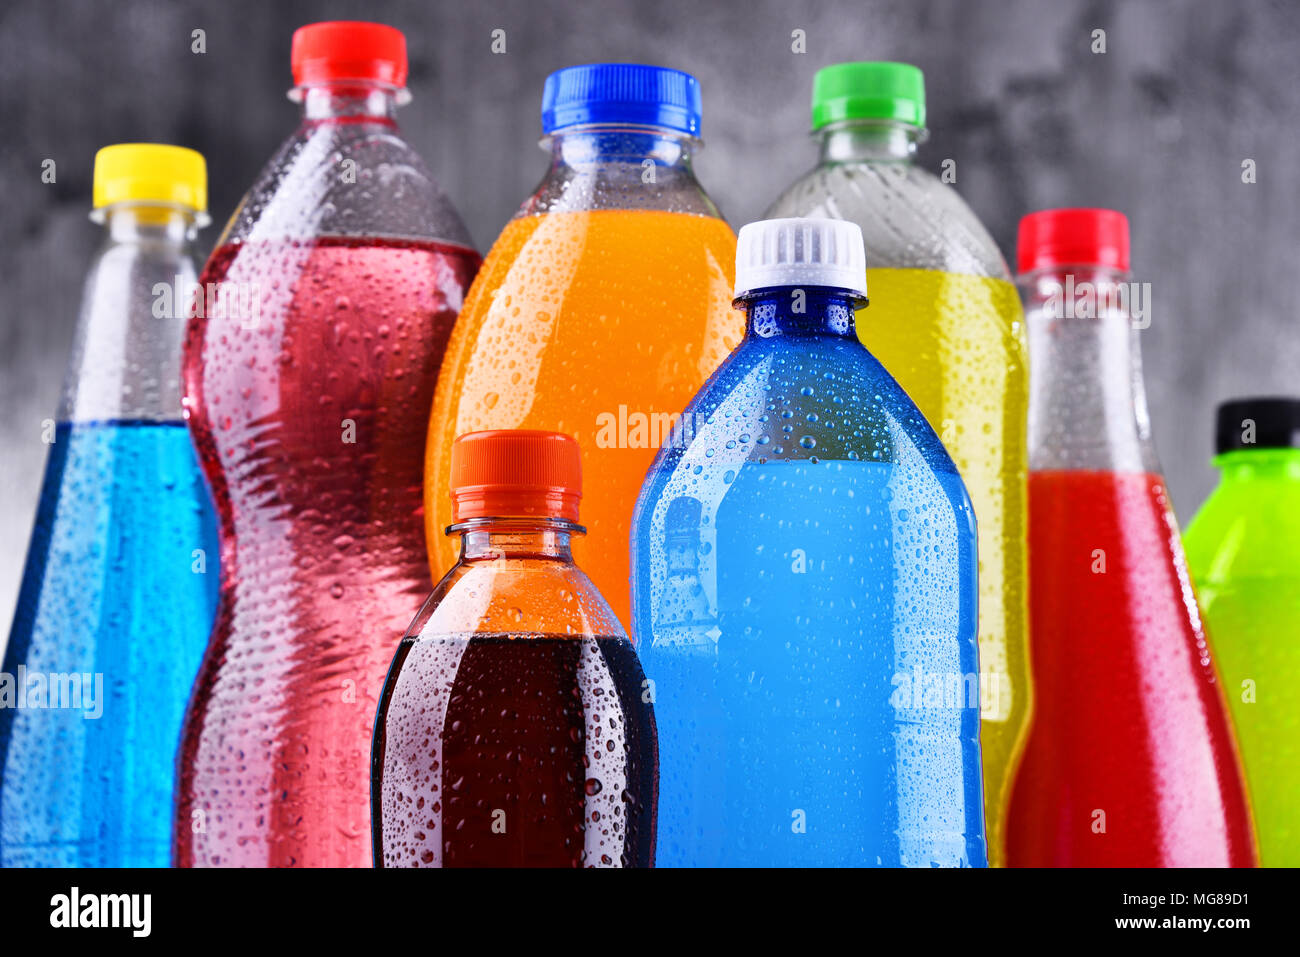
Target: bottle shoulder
{"points": [[1246, 530], [619, 186], [910, 219], [802, 399], [515, 596], [346, 179], [629, 168]]}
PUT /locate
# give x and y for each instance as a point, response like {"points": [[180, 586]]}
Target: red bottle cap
{"points": [[348, 50], [514, 472], [1072, 237]]}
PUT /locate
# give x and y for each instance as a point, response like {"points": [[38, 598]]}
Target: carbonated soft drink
{"points": [[308, 375], [804, 593], [121, 580], [1243, 549], [1130, 760], [946, 322], [602, 306], [515, 728]]}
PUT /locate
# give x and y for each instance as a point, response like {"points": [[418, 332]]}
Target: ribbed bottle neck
{"points": [[585, 146], [353, 101], [488, 539], [869, 141], [149, 224], [794, 311]]}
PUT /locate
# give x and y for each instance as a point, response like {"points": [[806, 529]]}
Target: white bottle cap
{"points": [[800, 252]]}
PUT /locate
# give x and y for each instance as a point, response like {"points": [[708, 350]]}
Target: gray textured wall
{"points": [[1158, 126]]}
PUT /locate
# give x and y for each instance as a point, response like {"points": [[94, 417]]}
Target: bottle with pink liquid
{"points": [[309, 368]]}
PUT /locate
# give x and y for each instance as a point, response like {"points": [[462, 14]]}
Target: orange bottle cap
{"points": [[515, 472]]}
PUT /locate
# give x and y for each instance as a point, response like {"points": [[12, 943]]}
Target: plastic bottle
{"points": [[1243, 549], [602, 306], [1130, 760], [120, 586], [515, 727], [308, 375], [946, 322], [804, 593]]}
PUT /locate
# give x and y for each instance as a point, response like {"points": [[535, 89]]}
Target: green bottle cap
{"points": [[868, 91]]}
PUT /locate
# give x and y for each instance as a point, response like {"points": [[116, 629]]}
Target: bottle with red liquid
{"points": [[1130, 760], [515, 728], [309, 368]]}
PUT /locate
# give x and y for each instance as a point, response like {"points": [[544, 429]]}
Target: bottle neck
{"points": [[870, 141], [351, 102], [1245, 465], [590, 146], [164, 226], [125, 361], [793, 311], [494, 539], [1087, 406]]}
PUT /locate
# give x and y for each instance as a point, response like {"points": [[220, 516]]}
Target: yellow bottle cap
{"points": [[151, 172]]}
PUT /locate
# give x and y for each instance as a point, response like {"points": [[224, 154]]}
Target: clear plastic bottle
{"points": [[1130, 760], [515, 728], [120, 586], [804, 593], [309, 373], [602, 306], [1243, 550], [946, 322]]}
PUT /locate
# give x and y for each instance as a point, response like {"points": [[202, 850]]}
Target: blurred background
{"points": [[1158, 127]]}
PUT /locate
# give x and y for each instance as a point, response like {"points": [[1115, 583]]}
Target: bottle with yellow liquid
{"points": [[601, 308], [946, 322]]}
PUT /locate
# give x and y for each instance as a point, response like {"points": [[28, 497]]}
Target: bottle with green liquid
{"points": [[1243, 550]]}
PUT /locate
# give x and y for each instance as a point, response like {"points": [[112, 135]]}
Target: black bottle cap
{"points": [[1265, 422]]}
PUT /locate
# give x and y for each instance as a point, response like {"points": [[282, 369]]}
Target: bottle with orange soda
{"points": [[601, 308]]}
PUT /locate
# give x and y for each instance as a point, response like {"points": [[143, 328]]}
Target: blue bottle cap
{"points": [[622, 93]]}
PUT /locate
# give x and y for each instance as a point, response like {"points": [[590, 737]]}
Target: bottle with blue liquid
{"points": [[120, 586], [804, 593]]}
